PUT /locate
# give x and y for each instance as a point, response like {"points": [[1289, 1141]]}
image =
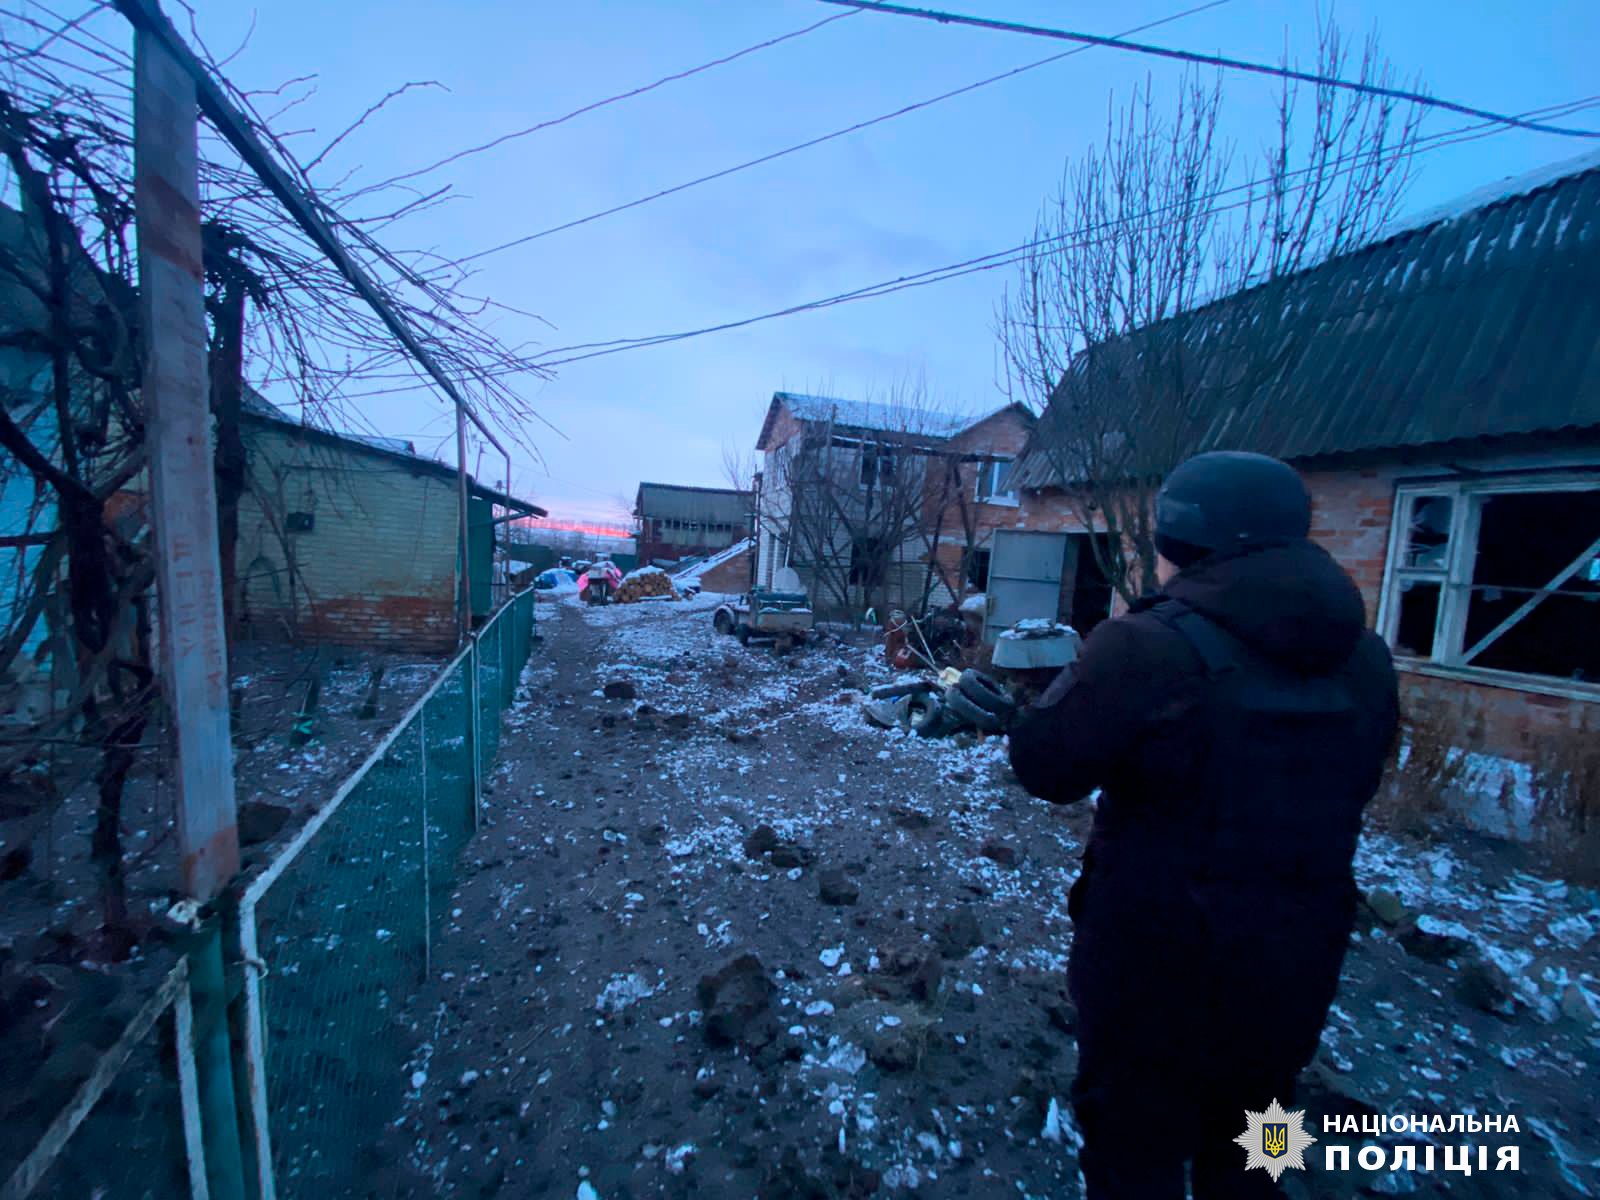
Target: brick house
{"points": [[1439, 390], [675, 521], [355, 541], [837, 474]]}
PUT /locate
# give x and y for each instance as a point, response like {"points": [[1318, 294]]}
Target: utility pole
{"points": [[194, 657], [183, 516]]}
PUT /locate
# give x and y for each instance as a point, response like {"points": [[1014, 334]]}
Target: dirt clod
{"points": [[835, 887], [737, 1000]]}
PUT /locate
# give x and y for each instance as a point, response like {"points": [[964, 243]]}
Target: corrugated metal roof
{"points": [[671, 501], [1485, 323]]}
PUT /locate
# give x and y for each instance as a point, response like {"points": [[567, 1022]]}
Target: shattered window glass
{"points": [[1419, 618], [1535, 596], [1428, 533]]}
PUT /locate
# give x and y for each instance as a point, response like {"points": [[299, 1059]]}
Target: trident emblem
{"points": [[1274, 1139]]}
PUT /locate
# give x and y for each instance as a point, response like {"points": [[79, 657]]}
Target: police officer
{"points": [[1236, 723]]}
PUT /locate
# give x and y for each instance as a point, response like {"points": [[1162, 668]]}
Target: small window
{"points": [[994, 482], [877, 465], [978, 571], [866, 562]]}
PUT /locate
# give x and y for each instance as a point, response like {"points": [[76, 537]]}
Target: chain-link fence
{"points": [[131, 1132], [336, 933]]}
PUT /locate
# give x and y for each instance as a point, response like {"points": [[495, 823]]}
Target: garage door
{"points": [[1025, 571]]}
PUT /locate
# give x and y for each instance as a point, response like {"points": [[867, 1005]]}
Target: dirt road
{"points": [[721, 938]]}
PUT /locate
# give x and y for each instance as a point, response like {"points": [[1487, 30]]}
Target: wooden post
{"points": [[183, 498]]}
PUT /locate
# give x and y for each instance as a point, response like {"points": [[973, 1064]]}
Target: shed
{"points": [[356, 541]]}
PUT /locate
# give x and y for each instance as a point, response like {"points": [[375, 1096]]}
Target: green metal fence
{"points": [[336, 934], [131, 1132]]}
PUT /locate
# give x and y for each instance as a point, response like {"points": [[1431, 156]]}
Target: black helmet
{"points": [[1229, 498]]}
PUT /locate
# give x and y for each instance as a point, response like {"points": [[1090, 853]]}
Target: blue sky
{"points": [[960, 179]]}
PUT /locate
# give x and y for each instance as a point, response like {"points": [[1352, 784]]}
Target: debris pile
{"points": [[646, 583]]}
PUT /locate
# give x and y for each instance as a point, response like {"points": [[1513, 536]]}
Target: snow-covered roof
{"points": [[1493, 193], [690, 573], [884, 418]]}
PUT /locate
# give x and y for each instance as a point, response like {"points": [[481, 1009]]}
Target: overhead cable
{"points": [[620, 96], [1119, 42], [816, 141], [987, 262], [1002, 258]]}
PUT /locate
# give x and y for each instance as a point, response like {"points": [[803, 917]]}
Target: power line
{"points": [[1213, 60], [999, 258], [973, 266], [818, 141], [628, 95]]}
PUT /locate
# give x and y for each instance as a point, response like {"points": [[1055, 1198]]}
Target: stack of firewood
{"points": [[647, 583]]}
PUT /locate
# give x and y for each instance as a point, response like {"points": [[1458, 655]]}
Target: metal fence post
{"points": [[508, 632], [473, 720], [219, 1117], [427, 867]]}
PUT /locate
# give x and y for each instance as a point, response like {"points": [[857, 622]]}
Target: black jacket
{"points": [[1216, 897]]}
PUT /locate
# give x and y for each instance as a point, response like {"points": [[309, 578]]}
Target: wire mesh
{"points": [[342, 932], [449, 798], [491, 672], [345, 929], [130, 1145]]}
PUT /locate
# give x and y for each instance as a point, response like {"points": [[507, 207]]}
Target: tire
{"points": [[985, 692], [928, 716], [911, 687], [958, 704], [723, 622]]}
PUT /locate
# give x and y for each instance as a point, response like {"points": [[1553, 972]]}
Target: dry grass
{"points": [[1427, 768], [1566, 810]]}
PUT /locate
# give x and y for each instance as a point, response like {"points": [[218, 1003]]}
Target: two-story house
{"points": [[882, 505]]}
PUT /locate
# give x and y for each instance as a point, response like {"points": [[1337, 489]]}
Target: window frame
{"points": [[988, 468], [1466, 495], [878, 465]]}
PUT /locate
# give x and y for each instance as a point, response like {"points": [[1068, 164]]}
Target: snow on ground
{"points": [[614, 878]]}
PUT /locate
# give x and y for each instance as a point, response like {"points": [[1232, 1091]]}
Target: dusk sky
{"points": [[960, 179]]}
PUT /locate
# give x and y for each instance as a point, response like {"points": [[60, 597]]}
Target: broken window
{"points": [[1499, 575]]}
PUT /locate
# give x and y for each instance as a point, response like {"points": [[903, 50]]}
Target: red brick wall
{"points": [[1004, 433], [1351, 512], [731, 577], [1352, 518]]}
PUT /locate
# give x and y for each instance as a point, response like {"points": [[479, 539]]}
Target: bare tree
{"points": [[1106, 328], [738, 466]]}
